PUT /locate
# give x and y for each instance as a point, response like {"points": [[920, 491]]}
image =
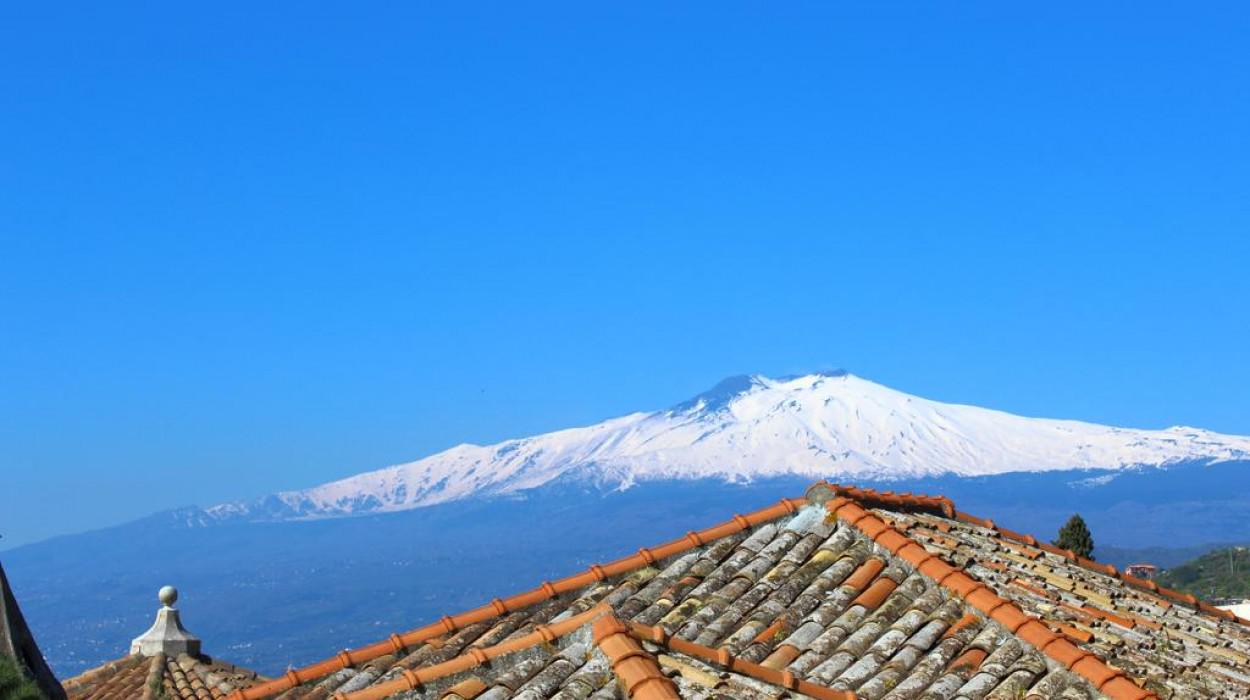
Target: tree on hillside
{"points": [[1220, 573], [1075, 535]]}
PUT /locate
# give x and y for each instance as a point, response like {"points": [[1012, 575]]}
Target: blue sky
{"points": [[249, 249]]}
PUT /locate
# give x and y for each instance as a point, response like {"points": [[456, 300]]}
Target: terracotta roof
{"points": [[846, 593], [521, 607], [1128, 636], [165, 663], [160, 677], [18, 643]]}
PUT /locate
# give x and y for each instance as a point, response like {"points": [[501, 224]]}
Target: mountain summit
{"points": [[828, 425]]}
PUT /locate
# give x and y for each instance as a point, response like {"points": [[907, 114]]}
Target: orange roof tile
{"points": [[638, 671], [723, 658], [969, 661], [876, 594]]}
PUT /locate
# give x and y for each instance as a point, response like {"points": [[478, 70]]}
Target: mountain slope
{"points": [[1222, 573], [829, 425]]}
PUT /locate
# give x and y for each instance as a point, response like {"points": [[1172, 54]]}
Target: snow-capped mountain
{"points": [[826, 425]]}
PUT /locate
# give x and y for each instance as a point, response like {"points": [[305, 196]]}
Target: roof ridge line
{"points": [[935, 504], [911, 501], [411, 679], [636, 669], [93, 673], [497, 607], [723, 658], [1106, 679], [1106, 569], [153, 680]]}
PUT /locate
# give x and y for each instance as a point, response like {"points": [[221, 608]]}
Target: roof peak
{"points": [[166, 635], [729, 388]]}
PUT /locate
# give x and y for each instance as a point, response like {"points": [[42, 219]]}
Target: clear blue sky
{"points": [[250, 248]]}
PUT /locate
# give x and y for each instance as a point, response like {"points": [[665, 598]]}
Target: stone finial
{"points": [[167, 635], [168, 595]]}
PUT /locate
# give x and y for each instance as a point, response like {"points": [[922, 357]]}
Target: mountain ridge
{"points": [[747, 427]]}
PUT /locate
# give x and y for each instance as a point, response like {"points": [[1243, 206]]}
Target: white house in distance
{"points": [[1241, 609]]}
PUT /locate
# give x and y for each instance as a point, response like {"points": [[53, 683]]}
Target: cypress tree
{"points": [[1075, 535]]}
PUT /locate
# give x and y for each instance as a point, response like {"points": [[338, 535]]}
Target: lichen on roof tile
{"points": [[895, 597]]}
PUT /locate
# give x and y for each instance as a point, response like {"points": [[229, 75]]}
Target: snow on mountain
{"points": [[828, 425]]}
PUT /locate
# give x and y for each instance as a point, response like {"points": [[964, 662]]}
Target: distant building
{"points": [[1240, 609], [1146, 571]]}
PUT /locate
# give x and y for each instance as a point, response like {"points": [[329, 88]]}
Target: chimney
{"points": [[167, 635]]}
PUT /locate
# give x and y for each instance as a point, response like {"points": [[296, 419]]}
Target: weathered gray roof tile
{"points": [[817, 597]]}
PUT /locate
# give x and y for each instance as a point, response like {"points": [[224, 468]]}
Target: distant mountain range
{"points": [[289, 578], [825, 425]]}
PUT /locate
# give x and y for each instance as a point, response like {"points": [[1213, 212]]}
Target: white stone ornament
{"points": [[167, 635], [168, 595]]}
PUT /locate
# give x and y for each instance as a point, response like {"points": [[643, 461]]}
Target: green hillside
{"points": [[1222, 573]]}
